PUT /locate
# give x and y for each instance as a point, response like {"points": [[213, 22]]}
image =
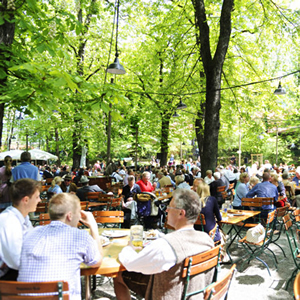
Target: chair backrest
{"points": [[219, 289], [221, 188], [281, 211], [10, 290], [296, 213], [115, 203], [45, 188], [112, 216], [257, 202], [197, 264], [84, 205], [44, 219], [42, 207], [212, 232], [297, 287], [287, 222], [201, 221], [92, 196]]}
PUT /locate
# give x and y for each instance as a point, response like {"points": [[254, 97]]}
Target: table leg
{"points": [[88, 287], [232, 240]]}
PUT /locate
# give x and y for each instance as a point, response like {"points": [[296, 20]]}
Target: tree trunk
{"points": [[164, 147], [57, 146], [213, 69], [108, 134]]}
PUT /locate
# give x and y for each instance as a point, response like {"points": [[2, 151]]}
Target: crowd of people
{"points": [[55, 251]]}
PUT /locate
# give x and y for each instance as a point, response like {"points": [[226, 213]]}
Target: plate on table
{"points": [[150, 235], [114, 233], [238, 214], [105, 241]]}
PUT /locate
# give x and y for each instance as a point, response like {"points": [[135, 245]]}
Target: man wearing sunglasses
{"points": [[155, 271]]}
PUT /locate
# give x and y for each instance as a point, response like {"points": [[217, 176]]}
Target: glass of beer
{"points": [[136, 235]]}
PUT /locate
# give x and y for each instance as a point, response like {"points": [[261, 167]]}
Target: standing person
{"points": [[14, 223], [25, 169], [161, 262], [56, 251], [5, 175], [55, 185]]}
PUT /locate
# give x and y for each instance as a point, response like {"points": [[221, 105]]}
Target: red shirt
{"points": [[145, 187]]}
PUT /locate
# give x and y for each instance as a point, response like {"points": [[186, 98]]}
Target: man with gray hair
{"points": [[155, 271]]}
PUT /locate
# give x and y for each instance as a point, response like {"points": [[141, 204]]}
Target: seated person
{"points": [[86, 188], [181, 183], [65, 185], [161, 262], [145, 183], [210, 210], [241, 191], [14, 223], [282, 199], [209, 178], [214, 188], [163, 180], [128, 204], [264, 189], [55, 185], [56, 251]]}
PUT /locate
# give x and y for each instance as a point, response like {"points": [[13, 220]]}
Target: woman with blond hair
{"points": [[210, 209], [241, 191], [5, 175], [55, 185], [282, 199]]}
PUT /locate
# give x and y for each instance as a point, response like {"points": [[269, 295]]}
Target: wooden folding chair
{"points": [[11, 290], [221, 189], [201, 221], [44, 219], [109, 217], [297, 287], [84, 205], [42, 207], [254, 250], [219, 289], [295, 251], [198, 264], [99, 200], [115, 204]]}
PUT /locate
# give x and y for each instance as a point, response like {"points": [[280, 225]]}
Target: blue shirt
{"points": [[264, 189], [56, 189], [25, 170], [240, 193], [55, 252], [295, 179]]}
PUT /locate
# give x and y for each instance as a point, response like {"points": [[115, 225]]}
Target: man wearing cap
{"points": [[65, 186], [86, 188]]}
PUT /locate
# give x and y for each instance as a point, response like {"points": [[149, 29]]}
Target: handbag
{"points": [[256, 234]]}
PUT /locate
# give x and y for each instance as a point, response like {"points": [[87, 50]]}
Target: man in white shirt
{"points": [[14, 223], [161, 262]]}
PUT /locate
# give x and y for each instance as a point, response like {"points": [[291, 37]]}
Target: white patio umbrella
{"points": [[37, 154], [14, 154]]}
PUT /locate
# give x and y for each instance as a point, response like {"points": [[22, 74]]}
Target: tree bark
{"points": [[164, 146], [213, 70]]}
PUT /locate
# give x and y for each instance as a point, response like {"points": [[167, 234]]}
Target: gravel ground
{"points": [[251, 283]]}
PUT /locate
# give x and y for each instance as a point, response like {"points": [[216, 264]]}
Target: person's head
{"points": [[195, 170], [217, 175], [7, 164], [131, 180], [196, 183], [25, 156], [184, 208], [179, 179], [25, 193], [266, 176], [244, 177], [56, 180], [209, 173], [242, 170], [203, 191], [65, 207], [160, 175], [84, 180], [146, 176], [274, 178], [253, 181], [67, 180], [285, 175], [73, 188]]}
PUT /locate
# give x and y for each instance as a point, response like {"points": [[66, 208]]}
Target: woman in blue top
{"points": [[210, 210], [55, 185], [241, 191]]}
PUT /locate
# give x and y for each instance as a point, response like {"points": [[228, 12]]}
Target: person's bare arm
{"points": [[88, 219]]}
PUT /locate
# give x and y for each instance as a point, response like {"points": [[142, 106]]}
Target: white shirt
{"points": [[13, 226], [208, 180], [155, 258], [116, 176]]}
